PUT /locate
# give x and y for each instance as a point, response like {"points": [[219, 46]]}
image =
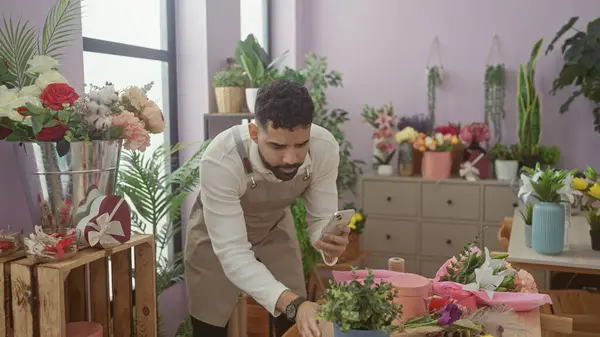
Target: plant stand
{"points": [[47, 296]]}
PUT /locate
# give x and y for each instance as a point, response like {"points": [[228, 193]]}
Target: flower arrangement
{"points": [[475, 133], [385, 151], [10, 243], [406, 135], [549, 185], [44, 245], [420, 123], [128, 115], [382, 120], [438, 143], [360, 305], [589, 187], [452, 129]]}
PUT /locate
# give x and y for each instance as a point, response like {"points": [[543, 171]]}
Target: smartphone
{"points": [[338, 221]]}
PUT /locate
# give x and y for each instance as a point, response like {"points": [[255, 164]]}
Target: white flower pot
{"points": [[251, 98], [506, 169], [385, 170]]}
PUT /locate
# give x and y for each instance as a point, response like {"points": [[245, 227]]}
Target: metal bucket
{"points": [[61, 185]]}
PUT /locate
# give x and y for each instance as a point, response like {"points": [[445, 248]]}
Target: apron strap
{"points": [[241, 149]]}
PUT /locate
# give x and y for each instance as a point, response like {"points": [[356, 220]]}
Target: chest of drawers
{"points": [[428, 221]]}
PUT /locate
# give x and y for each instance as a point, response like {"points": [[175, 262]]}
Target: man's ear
{"points": [[253, 130]]}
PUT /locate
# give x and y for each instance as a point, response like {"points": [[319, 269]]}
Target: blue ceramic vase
{"points": [[358, 333], [548, 228]]}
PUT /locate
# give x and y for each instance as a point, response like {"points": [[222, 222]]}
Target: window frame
{"points": [[169, 56]]}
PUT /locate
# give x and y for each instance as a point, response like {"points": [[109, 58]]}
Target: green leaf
{"points": [[37, 123], [17, 45], [565, 106], [561, 32], [59, 27], [593, 29]]}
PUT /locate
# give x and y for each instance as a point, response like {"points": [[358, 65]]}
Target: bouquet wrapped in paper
{"points": [[108, 222]]}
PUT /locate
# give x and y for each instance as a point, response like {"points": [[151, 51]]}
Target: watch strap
{"points": [[296, 304]]}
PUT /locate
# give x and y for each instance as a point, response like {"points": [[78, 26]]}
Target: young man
{"points": [[241, 234]]}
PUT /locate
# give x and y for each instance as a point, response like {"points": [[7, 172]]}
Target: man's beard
{"points": [[279, 174]]}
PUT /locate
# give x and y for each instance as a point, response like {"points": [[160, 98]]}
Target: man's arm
{"points": [[220, 194], [321, 197]]}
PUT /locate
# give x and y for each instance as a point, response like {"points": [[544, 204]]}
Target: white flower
{"points": [[30, 90], [567, 192], [42, 63], [49, 77], [428, 141], [491, 263], [439, 137], [10, 100], [526, 189], [485, 280], [108, 95]]}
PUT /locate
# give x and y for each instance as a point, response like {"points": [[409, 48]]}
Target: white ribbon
{"points": [[105, 228], [468, 169]]}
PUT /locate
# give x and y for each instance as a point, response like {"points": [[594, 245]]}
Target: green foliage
{"points": [[19, 41], [371, 114], [501, 152], [547, 187], [360, 306], [527, 215], [434, 78], [185, 329], [593, 219], [495, 94], [528, 104], [7, 78], [229, 78], [257, 64], [581, 54], [550, 155], [310, 256]]}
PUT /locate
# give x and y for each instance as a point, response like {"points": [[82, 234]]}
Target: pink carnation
{"points": [[153, 118], [525, 282], [134, 131]]}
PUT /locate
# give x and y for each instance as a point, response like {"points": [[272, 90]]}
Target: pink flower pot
{"points": [[84, 329], [413, 292], [436, 165]]}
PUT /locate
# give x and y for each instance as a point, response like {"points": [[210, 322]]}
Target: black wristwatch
{"points": [[292, 309]]}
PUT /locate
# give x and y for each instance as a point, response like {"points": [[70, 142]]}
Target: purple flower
{"points": [[449, 314]]}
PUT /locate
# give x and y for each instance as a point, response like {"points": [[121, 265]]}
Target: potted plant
{"points": [[551, 188], [593, 218], [258, 66], [229, 87], [383, 157], [357, 225], [422, 124], [549, 155], [405, 138], [383, 121], [505, 164], [473, 135], [589, 185], [527, 216], [437, 155], [360, 309], [580, 53]]}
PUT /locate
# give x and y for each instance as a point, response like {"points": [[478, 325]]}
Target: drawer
{"points": [[380, 261], [390, 236], [429, 268], [499, 202], [391, 198], [451, 201], [445, 240]]}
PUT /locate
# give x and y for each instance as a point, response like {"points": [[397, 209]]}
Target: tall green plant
{"points": [[20, 41], [257, 64], [529, 116], [581, 64]]}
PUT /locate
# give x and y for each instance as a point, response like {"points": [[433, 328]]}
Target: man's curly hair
{"points": [[284, 103]]}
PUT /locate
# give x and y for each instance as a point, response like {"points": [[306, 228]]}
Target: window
{"points": [[132, 42], [254, 19]]}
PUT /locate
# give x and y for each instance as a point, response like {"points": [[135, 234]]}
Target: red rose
{"points": [[4, 132], [52, 133], [22, 111], [57, 94]]}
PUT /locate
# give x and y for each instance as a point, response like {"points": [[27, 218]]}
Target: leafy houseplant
{"points": [[229, 87], [582, 65], [360, 306], [495, 94], [434, 79], [529, 108], [527, 216], [551, 188], [505, 163]]}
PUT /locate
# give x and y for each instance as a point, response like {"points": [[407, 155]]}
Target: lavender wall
{"points": [[13, 205], [381, 48]]}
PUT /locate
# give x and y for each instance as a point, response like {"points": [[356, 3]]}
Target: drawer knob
{"points": [[387, 236], [515, 204], [389, 198], [449, 242], [449, 202]]}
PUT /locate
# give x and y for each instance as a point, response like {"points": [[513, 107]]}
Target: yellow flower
{"points": [[579, 184], [594, 191], [454, 140], [359, 217], [408, 134], [352, 223]]}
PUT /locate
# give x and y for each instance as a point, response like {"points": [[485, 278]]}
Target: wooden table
{"points": [[578, 257], [530, 321]]}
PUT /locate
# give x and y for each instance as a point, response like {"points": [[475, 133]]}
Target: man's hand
{"points": [[306, 320], [334, 245]]}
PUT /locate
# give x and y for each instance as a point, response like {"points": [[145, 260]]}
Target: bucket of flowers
{"points": [[477, 277]]}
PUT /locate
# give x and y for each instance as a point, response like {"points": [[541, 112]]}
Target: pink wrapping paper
{"points": [[516, 301]]}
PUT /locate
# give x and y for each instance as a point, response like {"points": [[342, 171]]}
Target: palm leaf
{"points": [[17, 46], [60, 25]]}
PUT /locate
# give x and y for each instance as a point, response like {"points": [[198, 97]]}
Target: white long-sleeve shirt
{"points": [[223, 181]]}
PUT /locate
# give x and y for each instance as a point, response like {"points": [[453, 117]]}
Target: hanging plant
{"points": [[495, 94], [434, 78]]}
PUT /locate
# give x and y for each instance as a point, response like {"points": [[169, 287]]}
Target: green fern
{"points": [[20, 41]]}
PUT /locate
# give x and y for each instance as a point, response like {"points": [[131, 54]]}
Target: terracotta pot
{"points": [[436, 165]]}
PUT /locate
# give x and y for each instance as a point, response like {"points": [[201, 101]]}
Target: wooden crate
{"points": [[5, 293], [47, 296]]}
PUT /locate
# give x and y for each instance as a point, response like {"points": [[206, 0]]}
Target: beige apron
{"points": [[271, 232]]}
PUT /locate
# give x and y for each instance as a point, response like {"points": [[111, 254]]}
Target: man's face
{"points": [[282, 150]]}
